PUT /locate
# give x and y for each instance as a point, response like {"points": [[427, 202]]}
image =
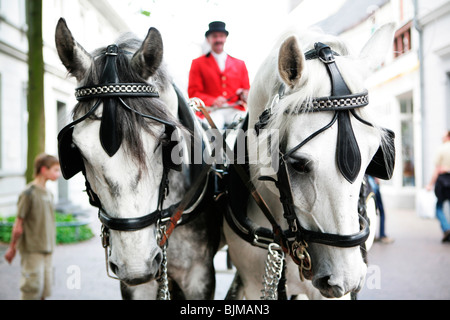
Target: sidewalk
{"points": [[80, 272], [415, 266]]}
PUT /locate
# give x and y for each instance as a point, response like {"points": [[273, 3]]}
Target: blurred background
{"points": [[411, 90]]}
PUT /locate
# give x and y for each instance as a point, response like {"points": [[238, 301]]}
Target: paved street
{"points": [[415, 266]]}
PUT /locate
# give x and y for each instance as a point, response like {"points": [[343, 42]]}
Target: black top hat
{"points": [[216, 26]]}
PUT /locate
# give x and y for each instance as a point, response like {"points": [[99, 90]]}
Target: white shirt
{"points": [[221, 59]]}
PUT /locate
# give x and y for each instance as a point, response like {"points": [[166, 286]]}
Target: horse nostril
{"points": [[113, 267], [321, 282], [329, 288]]}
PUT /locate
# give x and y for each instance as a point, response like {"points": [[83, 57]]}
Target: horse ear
{"points": [[149, 57], [73, 56], [375, 50], [291, 61]]}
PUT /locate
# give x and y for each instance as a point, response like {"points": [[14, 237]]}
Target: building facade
{"points": [[91, 22], [411, 89]]}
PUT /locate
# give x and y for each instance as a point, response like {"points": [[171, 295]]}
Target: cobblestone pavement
{"points": [[414, 267]]}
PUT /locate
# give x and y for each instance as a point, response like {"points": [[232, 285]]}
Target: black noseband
{"points": [[135, 224]]}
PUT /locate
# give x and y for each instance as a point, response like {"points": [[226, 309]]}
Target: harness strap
{"points": [[277, 231], [348, 155], [187, 199], [134, 224], [314, 54]]}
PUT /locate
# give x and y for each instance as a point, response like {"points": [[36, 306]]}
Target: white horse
{"points": [[324, 201], [124, 165]]}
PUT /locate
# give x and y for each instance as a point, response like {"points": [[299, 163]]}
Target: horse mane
{"points": [[307, 89], [129, 123]]}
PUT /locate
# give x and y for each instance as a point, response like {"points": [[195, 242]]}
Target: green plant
{"points": [[68, 229], [6, 228]]}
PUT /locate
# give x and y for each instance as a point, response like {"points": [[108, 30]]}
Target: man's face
{"points": [[217, 41]]}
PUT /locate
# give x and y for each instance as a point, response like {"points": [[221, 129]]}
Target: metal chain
{"points": [[273, 272], [163, 288], [163, 281]]}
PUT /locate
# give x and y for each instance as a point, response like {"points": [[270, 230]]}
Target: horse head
{"points": [[118, 140], [324, 154]]}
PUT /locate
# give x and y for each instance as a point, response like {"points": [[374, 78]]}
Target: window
{"points": [[402, 40]]}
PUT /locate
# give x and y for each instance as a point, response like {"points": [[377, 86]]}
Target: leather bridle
{"points": [[296, 239], [110, 93]]}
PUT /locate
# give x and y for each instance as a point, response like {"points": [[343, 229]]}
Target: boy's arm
{"points": [[15, 236], [16, 232]]}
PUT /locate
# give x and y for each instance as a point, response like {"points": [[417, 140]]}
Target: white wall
{"points": [[94, 23]]}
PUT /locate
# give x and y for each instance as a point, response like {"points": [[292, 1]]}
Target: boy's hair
{"points": [[44, 160]]}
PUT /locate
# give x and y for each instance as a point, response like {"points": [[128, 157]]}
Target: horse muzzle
{"points": [[335, 281], [136, 274]]}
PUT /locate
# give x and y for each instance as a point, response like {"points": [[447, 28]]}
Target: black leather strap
{"points": [[134, 224], [313, 54], [348, 155], [335, 240], [110, 133]]}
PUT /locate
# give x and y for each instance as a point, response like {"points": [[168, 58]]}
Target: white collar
{"points": [[221, 59]]}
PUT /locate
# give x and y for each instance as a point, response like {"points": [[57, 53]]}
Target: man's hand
{"points": [[242, 94], [219, 102]]}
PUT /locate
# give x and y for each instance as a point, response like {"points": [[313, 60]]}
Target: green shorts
{"points": [[37, 275]]}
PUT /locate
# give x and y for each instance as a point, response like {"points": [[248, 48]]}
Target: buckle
{"points": [[324, 53], [261, 242], [112, 50], [331, 60]]}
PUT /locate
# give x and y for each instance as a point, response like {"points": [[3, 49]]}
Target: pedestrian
{"points": [[441, 182], [375, 185], [219, 80], [34, 232]]}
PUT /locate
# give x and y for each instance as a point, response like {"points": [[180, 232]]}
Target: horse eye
{"points": [[301, 164], [164, 139]]}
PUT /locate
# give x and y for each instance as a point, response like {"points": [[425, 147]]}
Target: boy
{"points": [[34, 232]]}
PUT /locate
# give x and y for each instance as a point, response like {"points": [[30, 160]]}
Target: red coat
{"points": [[207, 82]]}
